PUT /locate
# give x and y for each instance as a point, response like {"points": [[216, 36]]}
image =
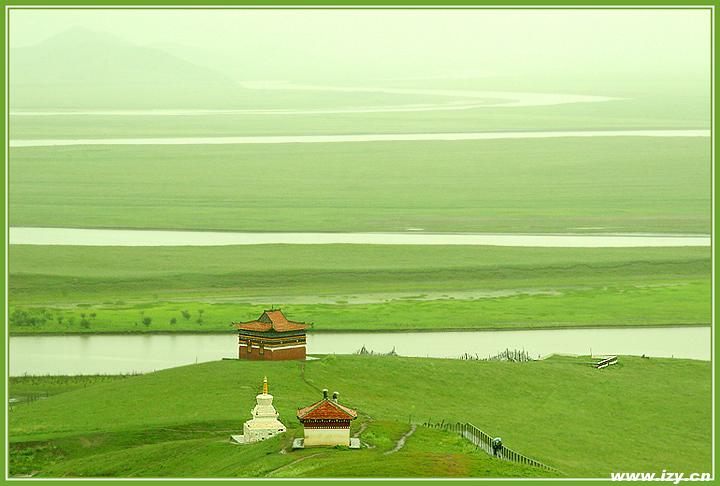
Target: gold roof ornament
{"points": [[265, 386]]}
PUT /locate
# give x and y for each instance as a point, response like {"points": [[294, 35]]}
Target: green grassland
{"points": [[31, 387], [69, 289], [615, 184], [678, 104], [609, 115], [560, 411]]}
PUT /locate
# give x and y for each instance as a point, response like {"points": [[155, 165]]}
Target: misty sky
{"points": [[422, 43]]}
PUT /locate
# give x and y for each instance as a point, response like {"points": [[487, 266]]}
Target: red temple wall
{"points": [[269, 355]]}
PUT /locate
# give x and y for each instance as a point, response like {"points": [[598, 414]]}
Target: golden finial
{"points": [[265, 386]]}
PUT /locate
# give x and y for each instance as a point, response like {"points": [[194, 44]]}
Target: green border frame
{"points": [[352, 4]]}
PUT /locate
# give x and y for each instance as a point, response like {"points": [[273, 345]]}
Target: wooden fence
{"points": [[483, 441], [605, 362]]}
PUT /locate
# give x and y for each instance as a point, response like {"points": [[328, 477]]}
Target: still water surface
{"points": [[112, 237], [382, 137], [112, 354]]}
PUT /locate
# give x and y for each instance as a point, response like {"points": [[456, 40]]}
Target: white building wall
{"points": [[253, 434], [327, 437]]}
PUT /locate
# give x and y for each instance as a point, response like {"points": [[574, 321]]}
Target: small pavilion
{"points": [[272, 337], [264, 422], [326, 423]]}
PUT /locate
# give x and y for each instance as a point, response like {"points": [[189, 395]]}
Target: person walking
{"points": [[497, 446]]}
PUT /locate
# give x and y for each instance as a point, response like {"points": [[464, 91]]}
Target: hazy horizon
{"points": [[362, 45]]}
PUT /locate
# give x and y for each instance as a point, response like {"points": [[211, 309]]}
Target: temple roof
{"points": [[271, 319], [326, 409]]}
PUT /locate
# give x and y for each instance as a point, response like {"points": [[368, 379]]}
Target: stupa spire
{"points": [[264, 422]]}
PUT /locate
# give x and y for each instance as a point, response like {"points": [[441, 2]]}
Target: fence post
{"points": [[484, 441]]}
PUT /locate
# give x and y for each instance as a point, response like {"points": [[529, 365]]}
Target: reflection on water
{"points": [[112, 354]]}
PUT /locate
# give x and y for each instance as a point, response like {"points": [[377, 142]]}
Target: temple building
{"points": [[264, 422], [271, 337], [326, 423]]}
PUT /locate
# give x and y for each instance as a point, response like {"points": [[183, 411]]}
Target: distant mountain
{"points": [[80, 68]]}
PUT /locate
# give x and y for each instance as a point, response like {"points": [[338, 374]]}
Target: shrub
{"points": [[23, 318], [186, 315], [173, 321], [147, 321]]}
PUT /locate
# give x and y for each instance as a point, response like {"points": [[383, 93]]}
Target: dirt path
{"points": [[296, 461], [401, 442], [305, 380], [362, 428]]}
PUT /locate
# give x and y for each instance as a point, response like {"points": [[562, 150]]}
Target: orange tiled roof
{"points": [[326, 409], [272, 319]]}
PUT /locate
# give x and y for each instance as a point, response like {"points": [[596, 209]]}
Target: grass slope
{"points": [[583, 421], [35, 387], [545, 185], [354, 287]]}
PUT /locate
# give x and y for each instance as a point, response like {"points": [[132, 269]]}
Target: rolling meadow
{"points": [[160, 425]]}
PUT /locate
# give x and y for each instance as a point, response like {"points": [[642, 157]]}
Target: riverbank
{"points": [[65, 289], [142, 353], [627, 306], [165, 437], [352, 331]]}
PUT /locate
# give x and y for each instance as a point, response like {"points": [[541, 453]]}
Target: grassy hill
{"points": [[583, 421]]}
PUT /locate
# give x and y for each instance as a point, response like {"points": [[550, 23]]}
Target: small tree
{"points": [[85, 323], [147, 321], [173, 321], [186, 315]]}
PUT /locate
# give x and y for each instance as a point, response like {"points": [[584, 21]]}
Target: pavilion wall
{"points": [[327, 437], [257, 353]]}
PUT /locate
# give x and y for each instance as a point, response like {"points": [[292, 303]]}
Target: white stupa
{"points": [[264, 422]]}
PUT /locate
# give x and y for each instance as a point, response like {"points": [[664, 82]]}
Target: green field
{"points": [[176, 422], [616, 184], [354, 287], [610, 115], [29, 388]]}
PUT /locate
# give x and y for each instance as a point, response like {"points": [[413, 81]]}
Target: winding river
{"points": [[116, 237], [381, 137], [465, 100]]}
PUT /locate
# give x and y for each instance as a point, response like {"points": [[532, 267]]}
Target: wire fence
{"points": [[484, 441]]}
